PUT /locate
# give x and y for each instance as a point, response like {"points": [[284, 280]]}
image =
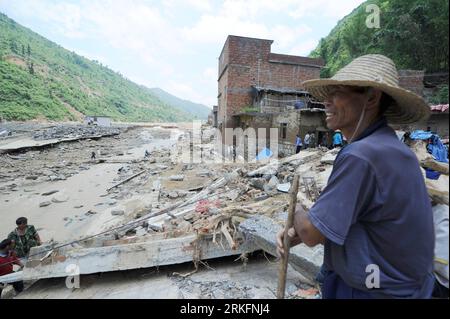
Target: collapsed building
{"points": [[263, 90]]}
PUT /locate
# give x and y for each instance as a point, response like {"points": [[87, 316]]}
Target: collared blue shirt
{"points": [[298, 141], [375, 212]]}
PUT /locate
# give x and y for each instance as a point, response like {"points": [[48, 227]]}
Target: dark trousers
{"points": [[18, 287], [333, 287], [440, 291], [299, 147]]}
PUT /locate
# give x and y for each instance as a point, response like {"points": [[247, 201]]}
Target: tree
{"points": [[31, 68], [13, 46], [28, 49], [23, 50]]}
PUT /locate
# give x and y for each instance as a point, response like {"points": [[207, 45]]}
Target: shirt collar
{"points": [[382, 122]]}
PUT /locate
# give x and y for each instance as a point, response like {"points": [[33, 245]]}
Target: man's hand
{"points": [[293, 237]]}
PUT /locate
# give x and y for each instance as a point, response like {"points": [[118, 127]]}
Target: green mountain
{"points": [[413, 33], [40, 79], [199, 111]]}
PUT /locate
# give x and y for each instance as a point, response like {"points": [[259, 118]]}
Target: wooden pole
{"points": [[126, 180], [286, 242]]}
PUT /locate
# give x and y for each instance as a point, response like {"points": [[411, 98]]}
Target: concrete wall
{"points": [[438, 121], [411, 80]]}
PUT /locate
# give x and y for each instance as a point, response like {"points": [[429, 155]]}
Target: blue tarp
{"points": [[435, 147], [438, 150], [420, 135], [431, 174], [264, 154]]}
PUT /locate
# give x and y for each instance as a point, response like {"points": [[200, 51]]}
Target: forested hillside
{"points": [[40, 79], [413, 33]]}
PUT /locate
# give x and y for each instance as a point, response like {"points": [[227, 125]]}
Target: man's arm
{"points": [[38, 239], [305, 230], [302, 232]]}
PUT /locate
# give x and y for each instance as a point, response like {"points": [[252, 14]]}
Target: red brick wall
{"points": [[247, 61]]}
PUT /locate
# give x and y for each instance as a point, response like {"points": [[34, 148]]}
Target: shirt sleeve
{"points": [[12, 236], [33, 230], [348, 192]]}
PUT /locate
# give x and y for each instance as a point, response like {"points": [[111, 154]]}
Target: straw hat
{"points": [[377, 71]]}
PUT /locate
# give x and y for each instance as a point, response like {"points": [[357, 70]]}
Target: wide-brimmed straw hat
{"points": [[377, 71]]}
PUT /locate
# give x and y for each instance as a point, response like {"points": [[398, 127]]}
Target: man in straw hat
{"points": [[374, 216]]}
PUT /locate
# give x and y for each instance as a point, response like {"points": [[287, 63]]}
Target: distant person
{"points": [[25, 237], [324, 141], [298, 144], [312, 140], [337, 139], [307, 140], [7, 260], [147, 154], [93, 156]]}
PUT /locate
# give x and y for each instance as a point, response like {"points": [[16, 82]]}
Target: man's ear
{"points": [[373, 97]]}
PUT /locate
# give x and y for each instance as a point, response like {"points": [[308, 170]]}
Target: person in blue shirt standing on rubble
{"points": [[337, 139], [374, 217], [298, 144]]}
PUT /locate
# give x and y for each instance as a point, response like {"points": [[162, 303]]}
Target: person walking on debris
{"points": [[312, 140], [298, 144], [324, 142], [307, 140], [7, 261], [147, 154], [25, 237], [93, 156], [374, 217]]}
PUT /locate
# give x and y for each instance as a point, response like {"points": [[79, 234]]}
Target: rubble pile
{"points": [[154, 196], [65, 131]]}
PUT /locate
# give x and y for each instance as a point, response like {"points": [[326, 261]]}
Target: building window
{"points": [[283, 130]]}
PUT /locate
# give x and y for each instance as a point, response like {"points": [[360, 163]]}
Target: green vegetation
{"points": [[249, 109], [441, 95], [413, 33], [40, 79]]}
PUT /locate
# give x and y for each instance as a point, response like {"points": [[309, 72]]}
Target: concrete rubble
{"points": [[156, 211]]}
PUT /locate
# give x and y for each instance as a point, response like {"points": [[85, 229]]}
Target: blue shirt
{"points": [[337, 139], [298, 141], [375, 210]]}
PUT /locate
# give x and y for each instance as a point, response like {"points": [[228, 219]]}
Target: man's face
{"points": [[343, 107], [22, 226]]}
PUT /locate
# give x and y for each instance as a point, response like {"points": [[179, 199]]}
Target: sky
{"points": [[175, 44]]}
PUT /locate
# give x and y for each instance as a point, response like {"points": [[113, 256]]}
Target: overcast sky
{"points": [[175, 44]]}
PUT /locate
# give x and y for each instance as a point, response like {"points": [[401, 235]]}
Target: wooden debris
{"points": [[126, 180]]}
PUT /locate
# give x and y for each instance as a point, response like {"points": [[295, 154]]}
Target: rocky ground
{"points": [[68, 195]]}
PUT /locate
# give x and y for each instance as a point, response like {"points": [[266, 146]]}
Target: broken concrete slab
{"points": [[284, 188], [328, 158], [263, 230], [258, 183], [117, 212], [60, 198], [158, 252], [177, 178]]}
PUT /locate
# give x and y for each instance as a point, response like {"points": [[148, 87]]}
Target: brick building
{"points": [[246, 63]]}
